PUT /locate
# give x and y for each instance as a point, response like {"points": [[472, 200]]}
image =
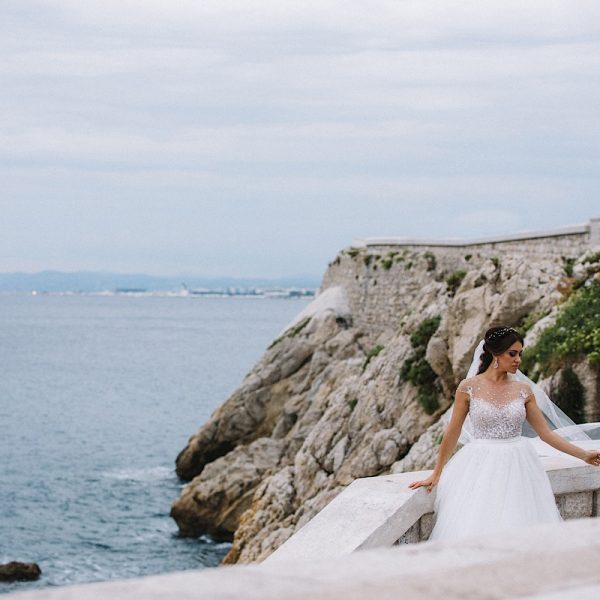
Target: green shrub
{"points": [[423, 333], [417, 370], [480, 281], [453, 282], [367, 259], [575, 334], [528, 321], [352, 404], [496, 261], [431, 261], [353, 252], [593, 258], [428, 399], [468, 257], [568, 264], [386, 263]]}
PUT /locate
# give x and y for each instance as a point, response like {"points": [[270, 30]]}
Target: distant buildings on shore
{"points": [[184, 291]]}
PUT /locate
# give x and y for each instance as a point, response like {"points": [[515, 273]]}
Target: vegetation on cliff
{"points": [[574, 335], [417, 370]]}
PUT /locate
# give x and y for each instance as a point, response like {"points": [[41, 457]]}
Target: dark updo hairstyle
{"points": [[497, 341]]}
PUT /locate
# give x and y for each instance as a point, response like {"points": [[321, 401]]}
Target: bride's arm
{"points": [[536, 419], [449, 439]]}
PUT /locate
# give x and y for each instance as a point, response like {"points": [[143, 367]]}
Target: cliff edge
{"points": [[359, 383]]}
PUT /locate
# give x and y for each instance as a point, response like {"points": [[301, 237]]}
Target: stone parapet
{"points": [[383, 511], [547, 562]]}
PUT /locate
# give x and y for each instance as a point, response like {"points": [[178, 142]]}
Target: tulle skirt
{"points": [[492, 485]]}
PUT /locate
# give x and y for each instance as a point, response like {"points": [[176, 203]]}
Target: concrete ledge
{"points": [[544, 562], [368, 513], [382, 511]]}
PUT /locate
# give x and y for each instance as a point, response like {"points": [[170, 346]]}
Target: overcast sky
{"points": [[258, 138]]}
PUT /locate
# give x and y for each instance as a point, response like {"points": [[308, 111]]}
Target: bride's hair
{"points": [[497, 340]]}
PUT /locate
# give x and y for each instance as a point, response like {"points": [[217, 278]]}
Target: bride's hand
{"points": [[428, 483], [593, 457]]}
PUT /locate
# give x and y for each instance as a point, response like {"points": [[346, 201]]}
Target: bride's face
{"points": [[510, 359]]}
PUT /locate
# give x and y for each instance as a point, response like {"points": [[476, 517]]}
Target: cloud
{"points": [[294, 106]]}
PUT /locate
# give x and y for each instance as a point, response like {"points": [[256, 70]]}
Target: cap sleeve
{"points": [[526, 391], [465, 387]]}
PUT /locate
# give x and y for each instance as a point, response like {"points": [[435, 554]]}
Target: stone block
{"points": [[576, 505], [427, 522], [412, 536]]}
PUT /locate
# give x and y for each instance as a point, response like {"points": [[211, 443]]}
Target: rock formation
{"points": [[360, 382], [19, 571]]}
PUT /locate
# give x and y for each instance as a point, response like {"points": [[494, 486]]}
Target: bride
{"points": [[496, 481]]}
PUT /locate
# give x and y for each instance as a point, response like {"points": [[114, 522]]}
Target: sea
{"points": [[98, 394]]}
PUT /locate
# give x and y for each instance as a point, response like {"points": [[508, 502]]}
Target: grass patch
{"points": [[291, 332], [372, 353]]}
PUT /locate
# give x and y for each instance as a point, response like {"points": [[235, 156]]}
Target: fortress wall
{"points": [[384, 276]]}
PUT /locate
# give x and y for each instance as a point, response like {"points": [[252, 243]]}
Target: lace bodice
{"points": [[495, 411]]}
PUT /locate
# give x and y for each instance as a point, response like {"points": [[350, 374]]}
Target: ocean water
{"points": [[97, 397]]}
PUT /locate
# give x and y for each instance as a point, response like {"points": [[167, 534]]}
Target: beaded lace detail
{"points": [[496, 411]]}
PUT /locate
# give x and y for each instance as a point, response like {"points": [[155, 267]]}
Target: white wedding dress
{"points": [[495, 482]]}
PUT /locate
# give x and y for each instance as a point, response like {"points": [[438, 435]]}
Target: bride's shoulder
{"points": [[525, 388], [466, 384]]}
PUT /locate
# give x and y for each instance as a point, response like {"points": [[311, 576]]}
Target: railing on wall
{"points": [[382, 511]]}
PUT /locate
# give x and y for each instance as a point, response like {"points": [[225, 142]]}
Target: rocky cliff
{"points": [[360, 382]]}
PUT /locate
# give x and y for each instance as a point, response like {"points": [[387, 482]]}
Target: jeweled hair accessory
{"points": [[499, 333]]}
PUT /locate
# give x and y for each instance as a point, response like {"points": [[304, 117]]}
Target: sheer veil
{"points": [[557, 420]]}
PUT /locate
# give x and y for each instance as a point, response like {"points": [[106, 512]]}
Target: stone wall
{"points": [[383, 277]]}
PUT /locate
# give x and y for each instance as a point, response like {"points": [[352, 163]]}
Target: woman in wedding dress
{"points": [[496, 481]]}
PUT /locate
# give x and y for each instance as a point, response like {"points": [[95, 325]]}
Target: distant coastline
{"points": [[106, 283]]}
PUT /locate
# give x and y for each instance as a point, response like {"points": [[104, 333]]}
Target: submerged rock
{"points": [[19, 571]]}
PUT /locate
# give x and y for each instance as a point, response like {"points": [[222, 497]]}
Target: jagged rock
{"points": [[214, 500], [255, 408], [326, 403], [19, 571], [423, 453]]}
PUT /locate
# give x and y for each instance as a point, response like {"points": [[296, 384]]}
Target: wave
{"points": [[142, 474]]}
